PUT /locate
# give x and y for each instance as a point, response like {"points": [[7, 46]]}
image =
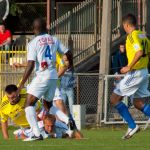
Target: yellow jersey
{"points": [[135, 42], [15, 112], [59, 61]]}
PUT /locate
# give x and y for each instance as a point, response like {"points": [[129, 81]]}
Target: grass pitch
{"points": [[98, 139]]}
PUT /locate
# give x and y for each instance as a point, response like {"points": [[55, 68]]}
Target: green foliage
{"points": [[14, 9]]}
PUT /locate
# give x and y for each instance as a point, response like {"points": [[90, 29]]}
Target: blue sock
{"points": [[146, 110], [124, 112]]}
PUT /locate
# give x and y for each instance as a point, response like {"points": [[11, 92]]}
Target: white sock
{"points": [[63, 117], [31, 118]]}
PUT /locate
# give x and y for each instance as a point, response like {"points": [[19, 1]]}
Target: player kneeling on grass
{"points": [[49, 128], [12, 106]]}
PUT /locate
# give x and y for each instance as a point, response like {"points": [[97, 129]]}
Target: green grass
{"points": [[98, 139]]}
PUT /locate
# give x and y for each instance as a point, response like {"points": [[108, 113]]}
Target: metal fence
{"points": [[14, 54], [86, 93], [111, 115], [121, 8], [85, 90], [77, 29], [64, 7], [7, 71]]}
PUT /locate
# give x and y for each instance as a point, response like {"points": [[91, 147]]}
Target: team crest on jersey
{"points": [[141, 36], [136, 47]]}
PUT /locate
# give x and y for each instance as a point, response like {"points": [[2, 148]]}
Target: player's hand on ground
{"points": [[125, 69]]}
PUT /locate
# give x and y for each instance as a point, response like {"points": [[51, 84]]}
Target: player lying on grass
{"points": [[12, 106], [135, 82], [49, 128]]}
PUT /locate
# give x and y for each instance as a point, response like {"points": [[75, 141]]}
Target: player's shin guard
{"points": [[31, 118], [146, 110], [124, 112]]}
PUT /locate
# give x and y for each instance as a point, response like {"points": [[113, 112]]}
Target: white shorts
{"points": [[58, 95], [42, 87], [29, 132], [134, 84]]}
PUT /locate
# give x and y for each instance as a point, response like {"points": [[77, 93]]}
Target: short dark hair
{"points": [[39, 24], [122, 43], [11, 88], [130, 19]]}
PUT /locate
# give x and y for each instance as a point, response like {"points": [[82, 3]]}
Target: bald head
{"points": [[39, 26]]}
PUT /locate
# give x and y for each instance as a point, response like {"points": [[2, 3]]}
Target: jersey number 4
{"points": [[48, 52]]}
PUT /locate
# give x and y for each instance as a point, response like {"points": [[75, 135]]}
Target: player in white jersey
{"points": [[50, 127], [41, 54]]}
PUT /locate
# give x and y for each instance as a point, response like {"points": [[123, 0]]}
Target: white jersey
{"points": [[42, 49]]}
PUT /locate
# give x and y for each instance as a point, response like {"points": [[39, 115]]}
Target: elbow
{"points": [[9, 41], [140, 53], [30, 66]]}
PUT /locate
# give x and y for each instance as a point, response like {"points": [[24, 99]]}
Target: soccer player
{"points": [[58, 129], [135, 82], [41, 53], [57, 100], [12, 106], [50, 128]]}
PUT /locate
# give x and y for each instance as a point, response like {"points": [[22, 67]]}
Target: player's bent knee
{"points": [[114, 99], [31, 100], [138, 104], [59, 103]]}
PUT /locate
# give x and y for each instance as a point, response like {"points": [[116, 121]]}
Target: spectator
{"points": [[119, 59], [5, 37], [67, 82]]}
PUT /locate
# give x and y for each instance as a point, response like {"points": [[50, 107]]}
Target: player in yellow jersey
{"points": [[12, 106], [135, 82]]}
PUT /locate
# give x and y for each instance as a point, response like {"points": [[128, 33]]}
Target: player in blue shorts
{"points": [[135, 82]]}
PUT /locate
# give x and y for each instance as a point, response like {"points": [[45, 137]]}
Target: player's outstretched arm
{"points": [[5, 129], [28, 71], [18, 65]]}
